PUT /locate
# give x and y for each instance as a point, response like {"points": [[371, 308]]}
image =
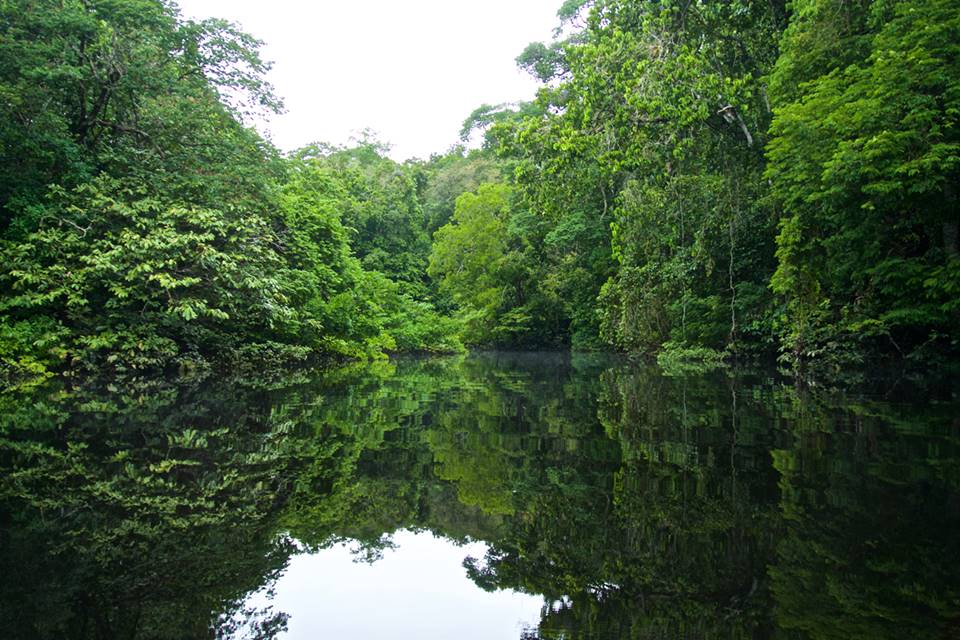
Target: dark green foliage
{"points": [[127, 89], [654, 132], [671, 138], [637, 505], [865, 159], [142, 225]]}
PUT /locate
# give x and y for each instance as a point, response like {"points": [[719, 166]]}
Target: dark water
{"points": [[517, 496]]}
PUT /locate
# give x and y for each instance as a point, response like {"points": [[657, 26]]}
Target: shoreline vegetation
{"points": [[696, 182]]}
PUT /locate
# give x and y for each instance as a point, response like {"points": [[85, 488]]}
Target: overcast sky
{"points": [[410, 70]]}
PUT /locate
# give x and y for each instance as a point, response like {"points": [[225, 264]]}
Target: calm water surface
{"points": [[514, 496]]}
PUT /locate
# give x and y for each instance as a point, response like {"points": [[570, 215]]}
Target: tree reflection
{"points": [[637, 505], [870, 499], [142, 511]]}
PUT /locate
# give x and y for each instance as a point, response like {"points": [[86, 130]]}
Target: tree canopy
{"points": [[714, 180]]}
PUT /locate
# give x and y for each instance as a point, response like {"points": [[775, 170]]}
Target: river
{"points": [[496, 495]]}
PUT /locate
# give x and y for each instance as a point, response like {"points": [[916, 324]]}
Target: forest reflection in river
{"points": [[635, 504]]}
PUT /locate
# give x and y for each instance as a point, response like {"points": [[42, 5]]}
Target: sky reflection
{"points": [[417, 590]]}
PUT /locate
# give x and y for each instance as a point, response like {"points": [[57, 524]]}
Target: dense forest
{"points": [[712, 179]]}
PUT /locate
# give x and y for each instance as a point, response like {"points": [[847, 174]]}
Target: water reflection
{"points": [[632, 504], [417, 589]]}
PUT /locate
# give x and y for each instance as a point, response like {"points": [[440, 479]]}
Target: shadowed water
{"points": [[544, 495]]}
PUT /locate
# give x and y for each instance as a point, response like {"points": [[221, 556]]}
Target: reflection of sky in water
{"points": [[417, 590]]}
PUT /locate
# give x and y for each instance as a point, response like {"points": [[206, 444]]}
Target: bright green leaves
{"points": [[863, 159], [490, 260], [98, 262], [144, 225], [356, 247], [468, 255], [29, 351]]}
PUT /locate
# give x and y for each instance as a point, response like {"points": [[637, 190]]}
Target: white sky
{"points": [[411, 70]]}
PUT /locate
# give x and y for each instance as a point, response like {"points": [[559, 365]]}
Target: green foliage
{"points": [[677, 360], [671, 139], [864, 160], [638, 505], [30, 350], [484, 260], [467, 256], [128, 89], [142, 225], [115, 269], [642, 160], [367, 295], [449, 175], [380, 206], [735, 177]]}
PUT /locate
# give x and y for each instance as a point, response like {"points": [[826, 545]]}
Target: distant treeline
{"points": [[706, 178]]}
